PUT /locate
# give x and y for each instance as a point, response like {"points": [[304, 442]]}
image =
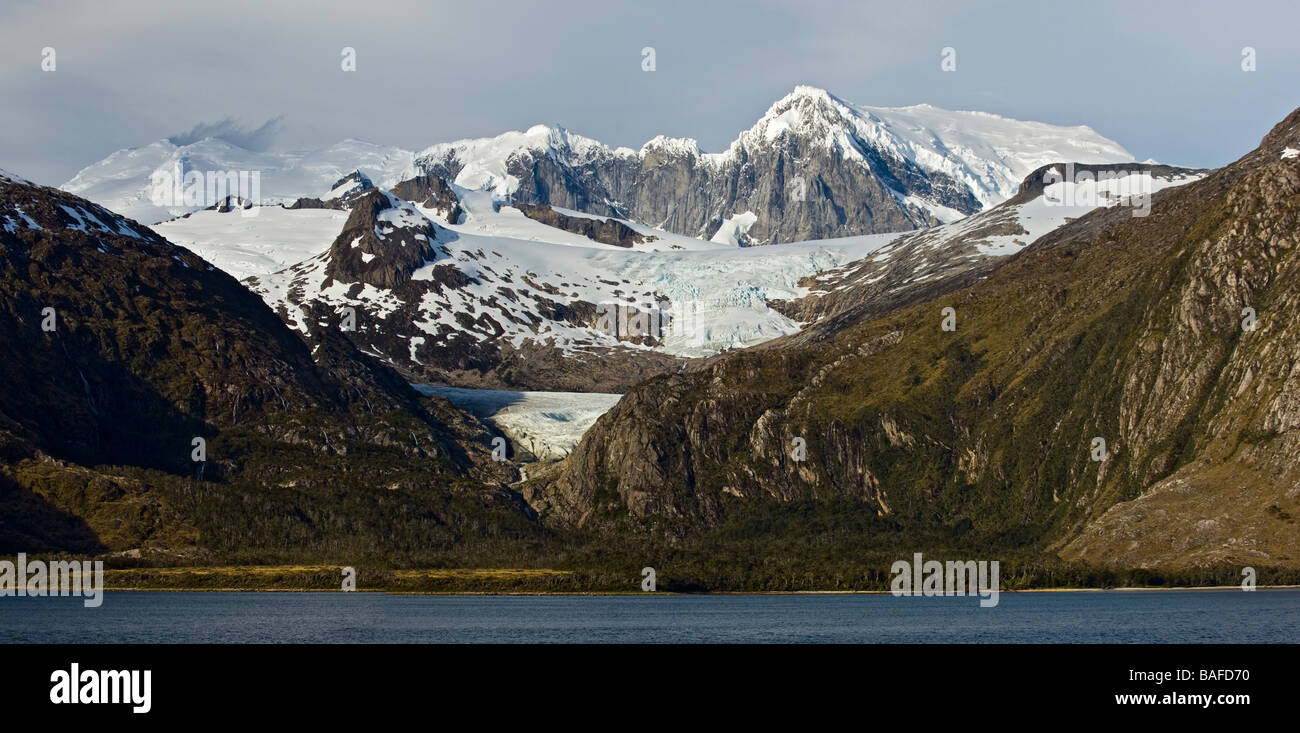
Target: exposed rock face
{"points": [[671, 186], [803, 189], [384, 241], [606, 231], [1128, 329], [431, 192], [128, 348], [813, 167]]}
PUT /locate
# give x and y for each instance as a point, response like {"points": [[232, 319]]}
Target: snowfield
{"points": [[123, 182], [258, 245], [720, 292], [547, 424]]}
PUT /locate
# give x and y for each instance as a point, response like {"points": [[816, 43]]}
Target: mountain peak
{"points": [[807, 91], [806, 111], [921, 162], [384, 240], [687, 146], [810, 100]]}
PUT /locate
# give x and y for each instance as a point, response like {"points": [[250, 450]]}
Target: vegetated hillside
{"points": [[121, 349], [1128, 329]]}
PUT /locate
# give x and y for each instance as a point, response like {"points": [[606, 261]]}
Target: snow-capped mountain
{"points": [[124, 181], [500, 299], [491, 297], [495, 262], [812, 167]]}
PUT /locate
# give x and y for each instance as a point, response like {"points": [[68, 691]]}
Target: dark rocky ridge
{"points": [[396, 247], [445, 355], [431, 192], [1035, 183], [605, 231]]}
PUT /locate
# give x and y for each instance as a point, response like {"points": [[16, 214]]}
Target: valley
{"points": [[650, 330]]}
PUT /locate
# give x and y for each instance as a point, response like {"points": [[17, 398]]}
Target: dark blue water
{"points": [[1229, 616]]}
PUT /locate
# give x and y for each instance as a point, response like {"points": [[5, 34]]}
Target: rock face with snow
{"points": [[813, 167], [501, 299], [345, 192], [384, 241], [919, 264], [431, 192], [607, 231], [444, 305]]}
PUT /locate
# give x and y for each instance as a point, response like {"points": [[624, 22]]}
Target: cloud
{"points": [[257, 140]]}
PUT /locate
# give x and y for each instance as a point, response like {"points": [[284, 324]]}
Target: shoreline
{"points": [[667, 593]]}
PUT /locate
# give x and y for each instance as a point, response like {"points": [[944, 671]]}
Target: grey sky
{"points": [[1164, 79]]}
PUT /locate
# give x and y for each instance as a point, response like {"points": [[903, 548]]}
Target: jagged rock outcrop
{"points": [[343, 195], [431, 192], [384, 241], [231, 203]]}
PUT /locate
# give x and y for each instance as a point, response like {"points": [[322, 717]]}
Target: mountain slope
{"points": [[932, 260], [146, 347], [1117, 327]]}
